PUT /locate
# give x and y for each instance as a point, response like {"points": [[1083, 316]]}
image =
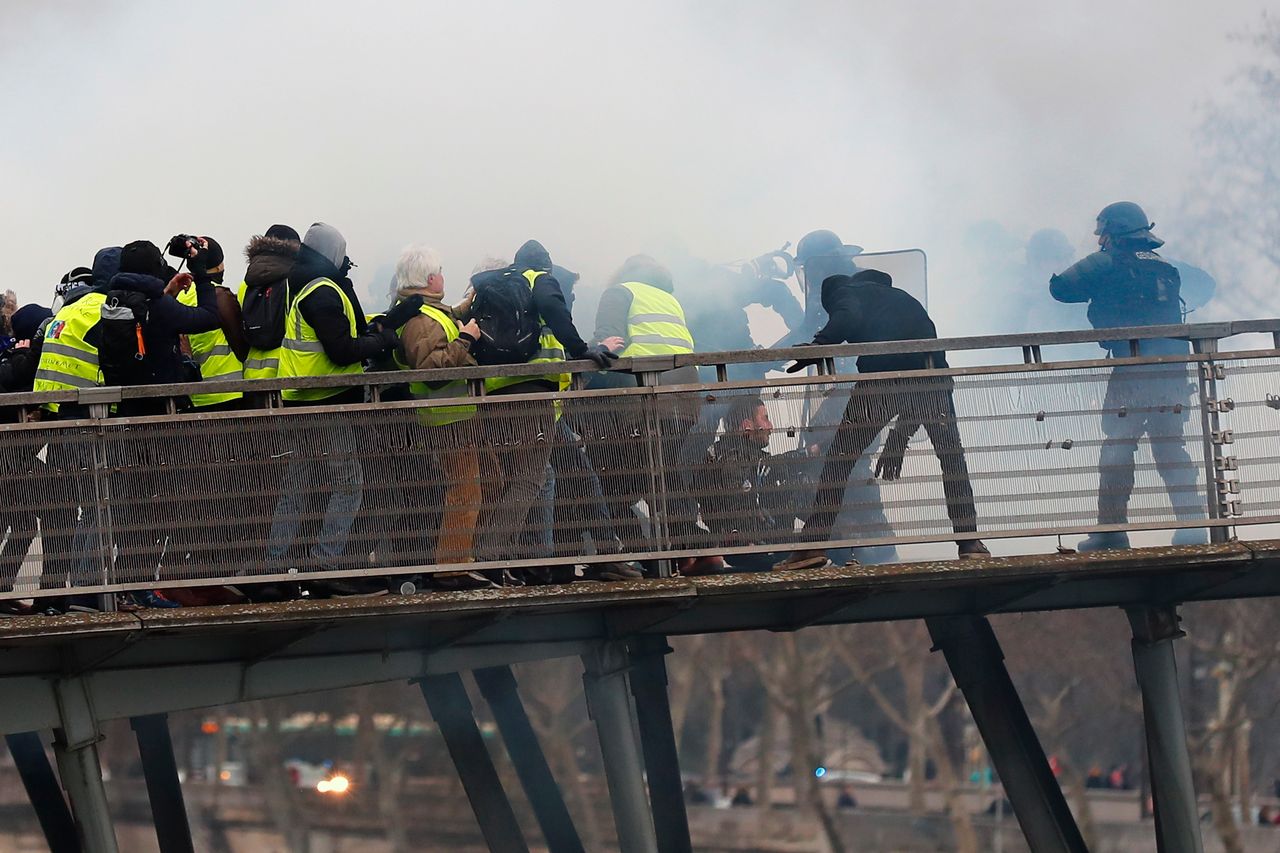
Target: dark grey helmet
{"points": [[817, 243], [1122, 219]]}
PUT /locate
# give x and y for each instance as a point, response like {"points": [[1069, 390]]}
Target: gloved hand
{"points": [[803, 363], [889, 464], [602, 357], [390, 339], [403, 312]]}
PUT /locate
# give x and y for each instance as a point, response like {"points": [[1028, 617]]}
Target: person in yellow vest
{"points": [[271, 256], [641, 308], [523, 444], [219, 353], [437, 338], [325, 335]]}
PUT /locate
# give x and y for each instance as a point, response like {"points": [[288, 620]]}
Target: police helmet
{"points": [[1122, 218]]}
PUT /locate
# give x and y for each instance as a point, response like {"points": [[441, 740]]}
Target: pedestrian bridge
{"points": [[188, 499]]}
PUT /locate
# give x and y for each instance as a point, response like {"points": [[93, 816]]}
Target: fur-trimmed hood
{"points": [[270, 259]]}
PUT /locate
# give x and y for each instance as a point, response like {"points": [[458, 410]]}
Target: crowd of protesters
{"points": [[535, 478]]}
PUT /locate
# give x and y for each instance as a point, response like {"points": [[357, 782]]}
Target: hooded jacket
{"points": [[548, 298], [866, 308], [322, 309]]}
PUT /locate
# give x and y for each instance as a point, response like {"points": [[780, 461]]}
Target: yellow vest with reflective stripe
{"points": [[302, 354], [213, 353], [439, 415], [550, 351], [655, 323], [259, 363], [67, 361]]}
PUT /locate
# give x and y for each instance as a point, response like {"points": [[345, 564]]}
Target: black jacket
{"points": [[867, 309], [322, 309], [169, 320]]}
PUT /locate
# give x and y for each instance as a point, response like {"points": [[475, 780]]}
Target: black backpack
{"points": [[509, 323], [263, 314], [122, 350]]}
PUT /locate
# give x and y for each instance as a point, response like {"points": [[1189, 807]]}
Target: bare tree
{"points": [[1233, 209], [902, 649]]}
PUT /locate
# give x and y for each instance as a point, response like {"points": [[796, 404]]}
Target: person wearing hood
{"points": [[271, 256], [867, 308], [326, 334], [639, 315], [1126, 283], [523, 456]]}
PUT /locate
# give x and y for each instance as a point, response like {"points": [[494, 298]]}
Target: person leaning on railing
{"points": [[435, 339], [867, 308], [640, 308], [326, 334]]}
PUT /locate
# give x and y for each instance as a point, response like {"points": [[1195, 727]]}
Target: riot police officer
{"points": [[1126, 283]]}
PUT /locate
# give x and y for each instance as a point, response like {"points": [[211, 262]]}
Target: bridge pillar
{"points": [[977, 663], [498, 686], [658, 741], [609, 704], [76, 746], [1168, 759], [160, 770], [451, 708], [44, 792]]}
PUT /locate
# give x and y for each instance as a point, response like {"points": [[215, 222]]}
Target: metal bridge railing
{"points": [[646, 471]]}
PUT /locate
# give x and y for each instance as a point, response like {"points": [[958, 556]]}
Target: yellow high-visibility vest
{"points": [[259, 363], [550, 351], [655, 323], [302, 354], [68, 361], [439, 415], [213, 354]]}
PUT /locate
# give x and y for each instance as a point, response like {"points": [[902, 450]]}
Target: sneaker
{"points": [[347, 589], [461, 580], [15, 607], [1190, 536], [800, 560], [148, 599], [692, 567], [615, 571], [1114, 541], [972, 548]]}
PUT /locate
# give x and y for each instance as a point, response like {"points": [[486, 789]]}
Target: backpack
{"points": [[510, 327], [263, 313], [122, 349]]}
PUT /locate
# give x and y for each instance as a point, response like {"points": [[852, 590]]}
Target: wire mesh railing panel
{"points": [[645, 473], [1247, 448]]}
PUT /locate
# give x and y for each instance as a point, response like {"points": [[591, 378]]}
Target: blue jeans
{"points": [[333, 466]]}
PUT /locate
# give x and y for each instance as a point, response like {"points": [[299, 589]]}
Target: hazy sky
{"points": [[600, 128]]}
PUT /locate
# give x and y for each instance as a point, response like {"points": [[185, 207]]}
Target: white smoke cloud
{"points": [[600, 129]]}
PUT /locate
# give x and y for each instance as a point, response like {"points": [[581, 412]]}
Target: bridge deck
{"points": [[195, 657]]}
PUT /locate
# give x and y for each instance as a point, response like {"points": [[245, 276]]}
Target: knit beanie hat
{"points": [[283, 232], [27, 320]]}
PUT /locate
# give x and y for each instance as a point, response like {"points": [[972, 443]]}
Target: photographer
{"points": [[748, 495]]}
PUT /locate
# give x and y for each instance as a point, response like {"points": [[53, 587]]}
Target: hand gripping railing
{"points": [[645, 471]]}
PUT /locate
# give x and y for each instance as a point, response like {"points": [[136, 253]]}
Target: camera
{"points": [[182, 244]]}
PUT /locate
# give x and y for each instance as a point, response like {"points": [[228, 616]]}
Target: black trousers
{"points": [[872, 406]]}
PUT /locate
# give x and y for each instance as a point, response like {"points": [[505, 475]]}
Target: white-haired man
{"points": [[435, 338]]}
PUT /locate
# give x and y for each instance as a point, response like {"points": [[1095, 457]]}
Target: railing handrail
{"points": [[655, 364]]}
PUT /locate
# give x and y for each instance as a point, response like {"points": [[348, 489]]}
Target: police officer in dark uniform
{"points": [[1127, 284]]}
